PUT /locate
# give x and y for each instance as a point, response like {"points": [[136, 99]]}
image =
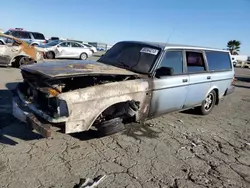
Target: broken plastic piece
{"points": [[90, 183]]}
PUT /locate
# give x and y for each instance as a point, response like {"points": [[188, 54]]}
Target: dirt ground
{"points": [[174, 151]]}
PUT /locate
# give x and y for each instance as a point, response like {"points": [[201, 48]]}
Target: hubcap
{"points": [[209, 102], [83, 56]]}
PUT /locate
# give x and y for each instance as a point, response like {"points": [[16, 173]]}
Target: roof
{"points": [[163, 45]]}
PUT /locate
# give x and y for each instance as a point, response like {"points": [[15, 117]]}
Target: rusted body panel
{"points": [[85, 105], [9, 52], [75, 68]]}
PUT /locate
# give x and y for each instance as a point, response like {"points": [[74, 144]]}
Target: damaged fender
{"points": [[85, 105]]}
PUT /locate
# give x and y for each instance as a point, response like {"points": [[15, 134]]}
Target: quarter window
{"points": [[195, 62], [218, 61], [174, 60]]}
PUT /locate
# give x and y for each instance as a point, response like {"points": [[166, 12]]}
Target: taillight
{"points": [[233, 80]]}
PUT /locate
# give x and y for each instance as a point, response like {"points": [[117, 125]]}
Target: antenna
{"points": [[171, 35]]}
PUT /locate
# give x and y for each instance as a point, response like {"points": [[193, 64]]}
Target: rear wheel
{"points": [[110, 127], [1, 43], [83, 56], [208, 104]]}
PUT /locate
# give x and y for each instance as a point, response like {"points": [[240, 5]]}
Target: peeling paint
{"points": [[86, 104]]}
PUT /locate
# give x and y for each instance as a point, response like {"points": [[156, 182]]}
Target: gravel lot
{"points": [[177, 150]]}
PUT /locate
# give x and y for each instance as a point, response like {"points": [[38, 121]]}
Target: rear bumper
{"points": [[230, 90]]}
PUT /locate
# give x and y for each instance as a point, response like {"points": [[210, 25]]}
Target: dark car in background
{"points": [[33, 38]]}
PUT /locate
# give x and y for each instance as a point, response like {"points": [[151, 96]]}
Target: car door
{"points": [[63, 50], [4, 59], [7, 52], [169, 91], [199, 78], [76, 49]]}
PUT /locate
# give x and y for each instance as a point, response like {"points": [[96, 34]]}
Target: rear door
{"points": [[199, 78], [221, 69], [76, 49], [25, 36]]}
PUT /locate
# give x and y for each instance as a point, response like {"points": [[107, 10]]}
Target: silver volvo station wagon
{"points": [[132, 82]]}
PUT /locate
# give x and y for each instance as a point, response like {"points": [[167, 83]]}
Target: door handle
{"points": [[185, 80], [208, 77]]}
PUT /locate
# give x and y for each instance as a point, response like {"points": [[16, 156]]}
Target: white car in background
{"points": [[94, 50], [65, 49]]}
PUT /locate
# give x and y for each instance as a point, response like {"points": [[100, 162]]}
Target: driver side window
{"points": [[174, 60], [65, 44]]}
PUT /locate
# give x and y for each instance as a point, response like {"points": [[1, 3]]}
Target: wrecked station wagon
{"points": [[132, 82]]}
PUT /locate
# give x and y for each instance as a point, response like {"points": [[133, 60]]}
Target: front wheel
{"points": [[208, 104], [83, 56], [110, 127], [50, 55]]}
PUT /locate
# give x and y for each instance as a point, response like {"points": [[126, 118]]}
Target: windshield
{"points": [[53, 43], [132, 56]]}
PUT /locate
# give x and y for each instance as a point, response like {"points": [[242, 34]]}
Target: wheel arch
{"points": [[217, 94], [84, 53], [123, 103], [16, 58]]}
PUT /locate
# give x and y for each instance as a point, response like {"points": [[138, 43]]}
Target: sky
{"points": [[210, 23]]}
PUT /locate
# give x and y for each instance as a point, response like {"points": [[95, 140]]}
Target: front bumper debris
{"points": [[24, 114]]}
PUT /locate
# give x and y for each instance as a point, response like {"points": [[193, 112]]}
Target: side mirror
{"points": [[164, 71], [58, 46]]}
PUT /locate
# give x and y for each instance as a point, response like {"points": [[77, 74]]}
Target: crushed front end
{"points": [[36, 102]]}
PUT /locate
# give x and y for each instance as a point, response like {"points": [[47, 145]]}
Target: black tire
{"points": [[110, 127], [208, 104], [20, 61], [23, 61], [1, 43], [83, 56], [50, 55], [34, 44]]}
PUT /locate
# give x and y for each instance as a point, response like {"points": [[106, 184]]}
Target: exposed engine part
{"points": [[133, 107]]}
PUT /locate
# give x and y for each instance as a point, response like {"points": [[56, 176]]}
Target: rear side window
{"points": [[195, 62], [174, 60], [22, 35], [73, 44], [218, 61], [38, 36]]}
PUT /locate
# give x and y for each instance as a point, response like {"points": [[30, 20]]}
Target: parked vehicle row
{"points": [[53, 48], [242, 64], [133, 81]]}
